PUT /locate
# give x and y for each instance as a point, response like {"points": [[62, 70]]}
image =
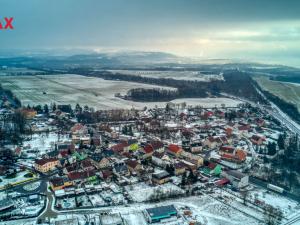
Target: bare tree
{"points": [[245, 195], [272, 215]]}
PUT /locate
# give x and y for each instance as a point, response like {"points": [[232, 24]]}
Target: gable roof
{"points": [[148, 149], [42, 162], [156, 145], [174, 148]]}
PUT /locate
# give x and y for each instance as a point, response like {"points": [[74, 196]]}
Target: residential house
{"points": [[174, 150], [179, 168], [120, 169], [239, 180], [59, 183], [226, 150], [238, 156], [45, 165], [196, 159], [161, 177], [157, 146], [29, 113], [106, 174], [134, 166], [157, 159], [196, 147], [257, 140], [100, 161], [147, 151]]}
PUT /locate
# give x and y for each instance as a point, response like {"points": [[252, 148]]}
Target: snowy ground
{"points": [[207, 209], [42, 143], [19, 178], [288, 207], [142, 192]]}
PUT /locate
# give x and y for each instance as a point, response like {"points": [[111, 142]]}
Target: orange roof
{"points": [[174, 148], [241, 155]]}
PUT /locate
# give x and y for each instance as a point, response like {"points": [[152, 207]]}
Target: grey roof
{"points": [[236, 174], [160, 175]]}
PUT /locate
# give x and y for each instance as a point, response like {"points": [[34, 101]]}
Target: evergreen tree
{"points": [[46, 109]]}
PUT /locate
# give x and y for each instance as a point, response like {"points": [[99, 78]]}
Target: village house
{"points": [[195, 159], [196, 147], [100, 161], [28, 113], [238, 156], [45, 165], [157, 159], [174, 150], [120, 169], [157, 146], [59, 183], [121, 147], [146, 152], [86, 165], [79, 128], [134, 166], [106, 175], [257, 140], [179, 168], [226, 150], [84, 139], [239, 180], [160, 177], [210, 142]]}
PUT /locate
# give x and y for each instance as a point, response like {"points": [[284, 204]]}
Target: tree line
{"points": [[235, 83]]}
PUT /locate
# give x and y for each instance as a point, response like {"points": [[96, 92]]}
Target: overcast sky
{"points": [[267, 30]]}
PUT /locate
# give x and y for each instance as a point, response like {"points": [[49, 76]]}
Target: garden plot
{"points": [[83, 201], [141, 192], [97, 200], [67, 203], [135, 218]]}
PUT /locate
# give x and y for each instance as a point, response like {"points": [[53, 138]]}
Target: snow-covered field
{"points": [[71, 89], [91, 91]]}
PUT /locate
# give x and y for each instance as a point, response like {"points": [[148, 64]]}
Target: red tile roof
{"points": [[148, 149], [174, 148], [119, 147], [227, 149], [157, 145], [42, 162], [132, 163]]}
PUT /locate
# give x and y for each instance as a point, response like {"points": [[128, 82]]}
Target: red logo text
{"points": [[6, 23]]}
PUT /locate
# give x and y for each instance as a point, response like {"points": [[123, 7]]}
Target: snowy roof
{"points": [[111, 219]]}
